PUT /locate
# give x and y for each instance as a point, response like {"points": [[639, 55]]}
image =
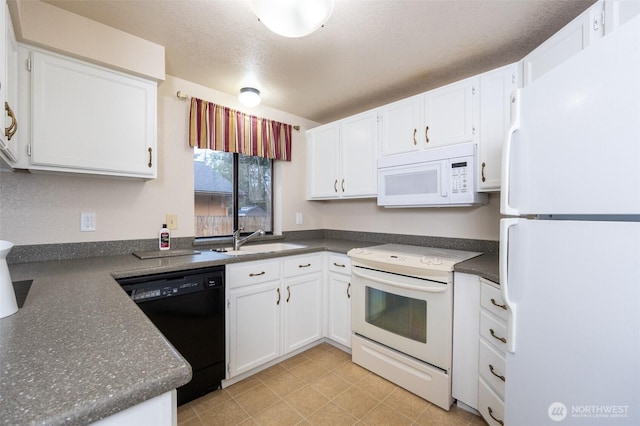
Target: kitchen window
{"points": [[231, 191]]}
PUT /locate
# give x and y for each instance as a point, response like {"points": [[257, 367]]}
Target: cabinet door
{"points": [[254, 326], [449, 114], [323, 162], [618, 12], [10, 87], [302, 297], [571, 39], [495, 116], [339, 313], [401, 128], [359, 152], [89, 119]]}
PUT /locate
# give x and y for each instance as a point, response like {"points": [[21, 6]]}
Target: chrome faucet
{"points": [[237, 241]]}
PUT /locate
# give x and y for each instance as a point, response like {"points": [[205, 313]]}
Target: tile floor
{"points": [[318, 387]]}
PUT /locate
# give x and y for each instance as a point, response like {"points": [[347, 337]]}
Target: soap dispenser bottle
{"points": [[164, 238]]}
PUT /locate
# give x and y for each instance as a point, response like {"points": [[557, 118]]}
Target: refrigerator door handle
{"points": [[505, 207], [505, 225]]}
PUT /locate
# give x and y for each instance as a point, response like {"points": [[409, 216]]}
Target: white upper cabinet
{"points": [[449, 114], [88, 119], [571, 39], [342, 158], [442, 116], [9, 150], [401, 126], [494, 117]]}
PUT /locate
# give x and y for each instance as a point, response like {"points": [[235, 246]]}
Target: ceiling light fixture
{"points": [[249, 96], [292, 18]]}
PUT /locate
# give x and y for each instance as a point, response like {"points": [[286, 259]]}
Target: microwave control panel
{"points": [[459, 177]]}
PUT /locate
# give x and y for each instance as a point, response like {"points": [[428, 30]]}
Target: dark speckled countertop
{"points": [[80, 350]]}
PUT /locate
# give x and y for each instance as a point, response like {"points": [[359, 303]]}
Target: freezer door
{"points": [[574, 144], [573, 293]]}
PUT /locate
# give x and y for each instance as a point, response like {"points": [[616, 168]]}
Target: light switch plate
{"points": [[172, 221]]}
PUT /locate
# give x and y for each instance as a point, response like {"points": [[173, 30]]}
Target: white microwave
{"points": [[434, 177]]}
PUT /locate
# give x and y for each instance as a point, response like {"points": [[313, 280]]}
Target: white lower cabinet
{"points": [[273, 307], [492, 349], [339, 299]]}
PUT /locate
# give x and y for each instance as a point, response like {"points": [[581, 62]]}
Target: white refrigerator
{"points": [[570, 252]]}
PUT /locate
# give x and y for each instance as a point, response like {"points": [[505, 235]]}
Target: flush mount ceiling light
{"points": [[249, 96], [292, 18]]}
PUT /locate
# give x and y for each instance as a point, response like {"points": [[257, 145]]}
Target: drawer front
{"points": [[252, 273], [491, 300], [493, 330], [340, 264], [300, 265], [490, 405], [491, 367]]}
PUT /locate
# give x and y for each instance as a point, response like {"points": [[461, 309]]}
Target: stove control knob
{"points": [[425, 259], [437, 261]]}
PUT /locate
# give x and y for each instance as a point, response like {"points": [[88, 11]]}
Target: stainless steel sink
{"points": [[259, 248], [271, 247]]}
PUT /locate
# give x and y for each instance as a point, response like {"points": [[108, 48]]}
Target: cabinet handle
{"points": [[278, 301], [150, 158], [483, 178], [494, 417], [494, 303], [288, 294], [13, 127], [304, 266], [495, 374], [342, 185], [426, 134], [502, 339], [335, 185], [415, 132], [339, 265], [349, 291], [256, 275]]}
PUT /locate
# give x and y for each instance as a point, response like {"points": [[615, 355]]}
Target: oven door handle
{"points": [[438, 289]]}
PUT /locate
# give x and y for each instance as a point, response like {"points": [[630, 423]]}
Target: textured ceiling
{"points": [[369, 53]]}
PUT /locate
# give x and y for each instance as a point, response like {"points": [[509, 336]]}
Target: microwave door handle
{"points": [[439, 289]]}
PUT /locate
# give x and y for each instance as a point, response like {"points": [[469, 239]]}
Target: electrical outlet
{"points": [[87, 222], [298, 218], [172, 221]]}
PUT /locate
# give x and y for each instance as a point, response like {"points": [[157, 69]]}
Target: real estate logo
{"points": [[557, 411]]}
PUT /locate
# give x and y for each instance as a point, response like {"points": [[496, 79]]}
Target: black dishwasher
{"points": [[188, 309]]}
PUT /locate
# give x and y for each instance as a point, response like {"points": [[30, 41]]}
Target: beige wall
{"points": [[45, 208]]}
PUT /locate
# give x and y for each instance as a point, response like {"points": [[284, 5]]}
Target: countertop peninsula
{"points": [[80, 350]]}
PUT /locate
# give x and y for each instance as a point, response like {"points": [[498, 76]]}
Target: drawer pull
{"points": [[335, 186], [288, 294], [494, 303], [278, 301], [257, 275], [493, 334], [415, 131], [494, 418], [495, 374], [304, 266], [339, 265], [349, 291]]}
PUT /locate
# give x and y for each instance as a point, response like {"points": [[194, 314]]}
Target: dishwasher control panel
{"points": [[142, 289]]}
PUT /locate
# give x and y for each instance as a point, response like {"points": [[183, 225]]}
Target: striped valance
{"points": [[224, 129]]}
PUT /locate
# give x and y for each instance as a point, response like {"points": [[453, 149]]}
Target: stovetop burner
{"points": [[411, 257]]}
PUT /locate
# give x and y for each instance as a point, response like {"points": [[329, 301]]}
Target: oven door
{"points": [[410, 315]]}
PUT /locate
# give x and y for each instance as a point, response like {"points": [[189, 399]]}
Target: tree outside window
{"points": [[231, 191]]}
